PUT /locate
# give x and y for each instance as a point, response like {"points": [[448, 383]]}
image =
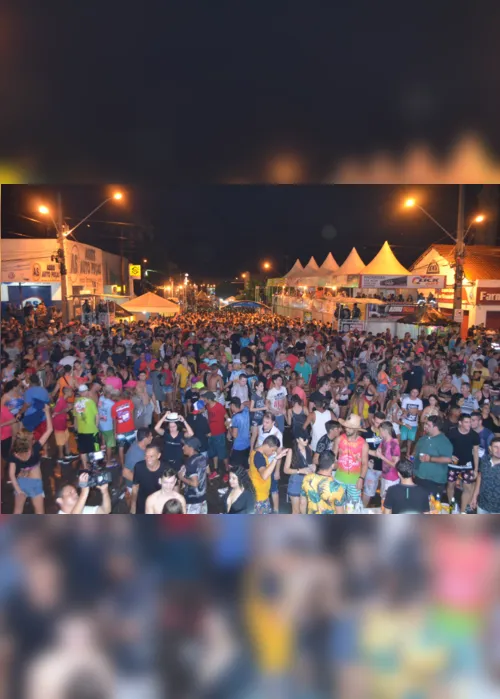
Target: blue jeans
{"points": [[280, 423]]}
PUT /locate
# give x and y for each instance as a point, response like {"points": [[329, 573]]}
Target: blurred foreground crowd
{"points": [[252, 607]]}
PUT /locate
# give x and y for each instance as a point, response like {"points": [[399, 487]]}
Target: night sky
{"points": [[219, 232], [198, 92]]}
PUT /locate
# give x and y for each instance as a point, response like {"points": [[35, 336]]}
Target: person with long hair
{"points": [[389, 453], [24, 468], [257, 410], [298, 463], [239, 498], [296, 416]]}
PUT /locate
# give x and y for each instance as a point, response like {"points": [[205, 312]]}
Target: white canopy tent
{"points": [[329, 265], [353, 264], [385, 262], [151, 303]]}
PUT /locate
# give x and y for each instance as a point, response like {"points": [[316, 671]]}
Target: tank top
{"points": [[172, 449], [64, 383], [349, 460], [319, 429], [298, 421]]}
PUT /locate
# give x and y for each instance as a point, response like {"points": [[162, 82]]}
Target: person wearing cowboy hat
{"points": [[352, 458]]}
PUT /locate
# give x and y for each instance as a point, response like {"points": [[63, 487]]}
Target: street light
{"points": [[459, 241], [266, 265], [63, 232]]}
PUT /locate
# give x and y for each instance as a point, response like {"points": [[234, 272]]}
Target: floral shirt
{"points": [[323, 494]]}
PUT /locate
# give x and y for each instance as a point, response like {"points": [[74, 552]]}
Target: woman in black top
{"points": [[299, 462], [24, 468], [173, 435], [240, 496]]}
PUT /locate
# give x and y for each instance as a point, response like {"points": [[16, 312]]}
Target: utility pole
{"points": [[61, 240], [459, 256]]}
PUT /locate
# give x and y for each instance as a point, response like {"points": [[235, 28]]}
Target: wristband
{"points": [[362, 478]]}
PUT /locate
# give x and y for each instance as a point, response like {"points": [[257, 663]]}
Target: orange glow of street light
{"points": [[410, 203], [479, 219], [243, 276], [118, 196], [44, 210]]}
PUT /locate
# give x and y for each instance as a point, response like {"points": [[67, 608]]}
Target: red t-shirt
{"points": [[292, 360], [216, 419], [123, 413], [60, 422], [168, 377]]}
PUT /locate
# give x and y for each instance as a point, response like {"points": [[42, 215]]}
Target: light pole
{"points": [[459, 240], [63, 232]]}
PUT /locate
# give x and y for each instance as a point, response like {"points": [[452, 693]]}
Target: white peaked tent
{"points": [[353, 264], [329, 265], [385, 262], [296, 270], [311, 268], [151, 303]]}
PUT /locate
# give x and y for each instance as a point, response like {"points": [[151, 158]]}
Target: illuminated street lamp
{"points": [[266, 266], [63, 232], [458, 240]]}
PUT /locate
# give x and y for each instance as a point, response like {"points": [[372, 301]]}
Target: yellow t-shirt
{"points": [[183, 374], [262, 487]]}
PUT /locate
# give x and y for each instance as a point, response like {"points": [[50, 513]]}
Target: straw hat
{"points": [[353, 422]]}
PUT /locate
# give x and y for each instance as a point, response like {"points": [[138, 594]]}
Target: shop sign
{"points": [[488, 296], [347, 326], [433, 268]]}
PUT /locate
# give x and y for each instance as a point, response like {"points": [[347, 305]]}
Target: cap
{"points": [[209, 395], [83, 388], [192, 442], [199, 384], [199, 406]]}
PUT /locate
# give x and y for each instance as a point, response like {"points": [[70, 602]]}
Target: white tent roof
{"points": [[353, 264], [296, 270], [311, 268], [329, 265], [151, 303], [385, 262]]}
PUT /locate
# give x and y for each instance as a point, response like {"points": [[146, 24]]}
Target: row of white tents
{"points": [[330, 273]]}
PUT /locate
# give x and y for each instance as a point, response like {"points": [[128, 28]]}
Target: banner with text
{"points": [[412, 281]]}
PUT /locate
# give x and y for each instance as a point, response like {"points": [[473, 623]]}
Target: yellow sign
{"points": [[134, 271]]}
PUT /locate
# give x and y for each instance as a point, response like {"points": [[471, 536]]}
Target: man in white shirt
{"points": [[70, 503], [276, 398], [459, 378], [412, 407]]}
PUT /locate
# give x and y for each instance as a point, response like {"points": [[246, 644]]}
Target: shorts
{"points": [[382, 388], [199, 508], [126, 438], [274, 484], [31, 487], [6, 447], [295, 485], [351, 491], [257, 421], [169, 389], [39, 430], [109, 438], [468, 475], [239, 457], [263, 508], [217, 446], [408, 434], [372, 479], [87, 443], [62, 437], [343, 403], [385, 485]]}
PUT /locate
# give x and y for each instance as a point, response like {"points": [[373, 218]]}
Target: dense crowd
{"points": [[262, 411]]}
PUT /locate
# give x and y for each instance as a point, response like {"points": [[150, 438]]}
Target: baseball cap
{"points": [[83, 388], [192, 442], [199, 406], [209, 395], [199, 384]]}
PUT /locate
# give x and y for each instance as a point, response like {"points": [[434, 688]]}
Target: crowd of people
{"points": [[240, 413]]}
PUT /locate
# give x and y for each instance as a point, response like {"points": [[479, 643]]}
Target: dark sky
{"points": [[197, 92], [221, 231]]}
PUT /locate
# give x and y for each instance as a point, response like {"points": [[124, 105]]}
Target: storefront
{"points": [[30, 272]]}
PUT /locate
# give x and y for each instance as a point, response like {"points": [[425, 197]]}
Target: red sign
{"points": [[399, 309], [487, 296]]}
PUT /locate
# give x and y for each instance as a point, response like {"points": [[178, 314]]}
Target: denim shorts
{"points": [[217, 446], [125, 438], [169, 389], [295, 485], [31, 487]]}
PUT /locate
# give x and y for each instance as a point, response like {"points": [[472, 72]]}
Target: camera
{"points": [[98, 475]]}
